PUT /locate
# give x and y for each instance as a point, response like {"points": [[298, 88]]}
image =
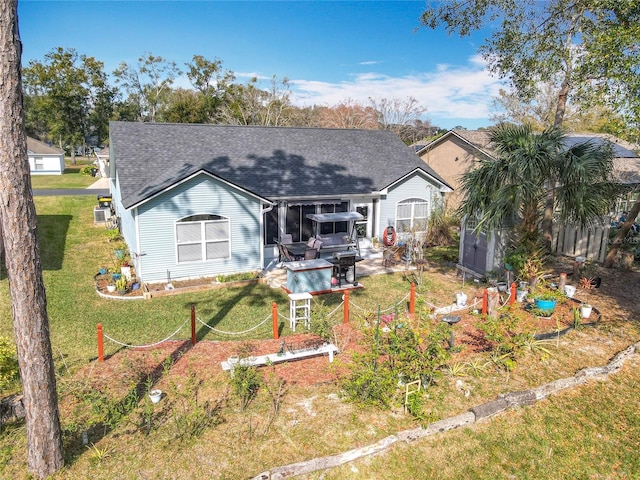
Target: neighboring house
{"points": [[458, 151], [44, 159], [205, 200]]}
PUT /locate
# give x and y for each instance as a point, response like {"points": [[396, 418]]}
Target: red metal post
{"points": [[412, 299], [346, 307], [100, 344], [485, 301], [193, 325], [512, 297], [274, 316]]}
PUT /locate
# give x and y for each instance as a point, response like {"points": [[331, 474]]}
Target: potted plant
{"points": [[532, 269], [111, 287], [545, 300], [121, 285], [585, 310], [155, 395], [588, 278]]}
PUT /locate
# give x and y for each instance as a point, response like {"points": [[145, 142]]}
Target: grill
{"points": [[344, 266]]}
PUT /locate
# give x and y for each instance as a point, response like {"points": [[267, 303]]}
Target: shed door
{"points": [[474, 249]]}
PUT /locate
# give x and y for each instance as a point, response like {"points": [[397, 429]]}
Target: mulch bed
{"points": [[206, 356], [616, 299]]}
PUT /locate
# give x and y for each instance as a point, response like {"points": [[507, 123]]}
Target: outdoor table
{"points": [[296, 249]]}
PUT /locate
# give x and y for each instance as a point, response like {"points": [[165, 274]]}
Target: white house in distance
{"points": [[43, 159]]}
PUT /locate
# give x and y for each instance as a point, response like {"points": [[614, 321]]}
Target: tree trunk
{"points": [[622, 234], [18, 218], [549, 205], [547, 218]]}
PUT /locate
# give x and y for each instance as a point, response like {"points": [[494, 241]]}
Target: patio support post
{"points": [[100, 344], [485, 301], [412, 299], [512, 295], [193, 324], [274, 317], [346, 307]]}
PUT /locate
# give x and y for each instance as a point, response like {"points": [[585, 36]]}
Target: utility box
{"points": [[101, 215]]}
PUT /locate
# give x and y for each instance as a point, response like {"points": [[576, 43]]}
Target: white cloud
{"points": [[448, 92]]}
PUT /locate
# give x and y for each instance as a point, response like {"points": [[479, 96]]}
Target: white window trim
{"points": [[413, 202], [203, 239]]}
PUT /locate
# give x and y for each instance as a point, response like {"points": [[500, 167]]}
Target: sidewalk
{"points": [[100, 184]]}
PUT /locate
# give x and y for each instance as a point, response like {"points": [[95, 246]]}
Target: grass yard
{"points": [[202, 430], [70, 178]]}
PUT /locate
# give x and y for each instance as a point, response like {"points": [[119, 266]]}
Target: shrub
{"points": [[404, 352], [320, 324], [245, 381], [86, 170]]}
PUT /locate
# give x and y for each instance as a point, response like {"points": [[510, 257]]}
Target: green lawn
{"points": [[589, 432], [73, 250], [70, 178]]}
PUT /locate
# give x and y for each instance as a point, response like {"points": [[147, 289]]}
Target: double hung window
{"points": [[412, 215], [203, 237]]}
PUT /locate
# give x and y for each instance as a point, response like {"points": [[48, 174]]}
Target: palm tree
{"points": [[510, 190]]}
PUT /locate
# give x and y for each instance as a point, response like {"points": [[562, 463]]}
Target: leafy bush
{"points": [[402, 352], [370, 383], [320, 324], [9, 371], [86, 170], [508, 338], [245, 381], [415, 406], [441, 227]]}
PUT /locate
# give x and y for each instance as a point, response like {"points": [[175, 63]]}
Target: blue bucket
{"points": [[545, 305]]}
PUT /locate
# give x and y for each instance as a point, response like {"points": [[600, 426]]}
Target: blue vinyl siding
{"points": [[415, 186], [155, 223]]}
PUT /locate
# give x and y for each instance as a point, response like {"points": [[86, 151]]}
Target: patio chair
{"points": [[311, 254], [286, 238], [283, 254]]}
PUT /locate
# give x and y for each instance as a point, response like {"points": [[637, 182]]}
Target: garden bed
{"points": [[147, 290]]}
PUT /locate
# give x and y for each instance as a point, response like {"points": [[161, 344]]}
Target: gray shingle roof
{"points": [[38, 147], [626, 162], [621, 149], [271, 162]]}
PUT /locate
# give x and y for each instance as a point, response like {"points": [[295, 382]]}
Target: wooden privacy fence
{"points": [[573, 240]]}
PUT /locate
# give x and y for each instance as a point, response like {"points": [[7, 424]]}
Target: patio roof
{"points": [[335, 217]]}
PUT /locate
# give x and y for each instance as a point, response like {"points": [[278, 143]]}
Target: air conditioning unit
{"points": [[101, 214]]}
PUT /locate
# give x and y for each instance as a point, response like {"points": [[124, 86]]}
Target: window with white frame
{"points": [[203, 237], [38, 163], [412, 215]]}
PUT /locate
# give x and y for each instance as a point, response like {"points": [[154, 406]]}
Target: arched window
{"points": [[412, 215], [203, 237]]}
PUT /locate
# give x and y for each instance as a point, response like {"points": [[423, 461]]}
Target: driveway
{"points": [[99, 187]]}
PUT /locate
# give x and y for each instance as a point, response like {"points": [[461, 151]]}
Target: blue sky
{"points": [[330, 51]]}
